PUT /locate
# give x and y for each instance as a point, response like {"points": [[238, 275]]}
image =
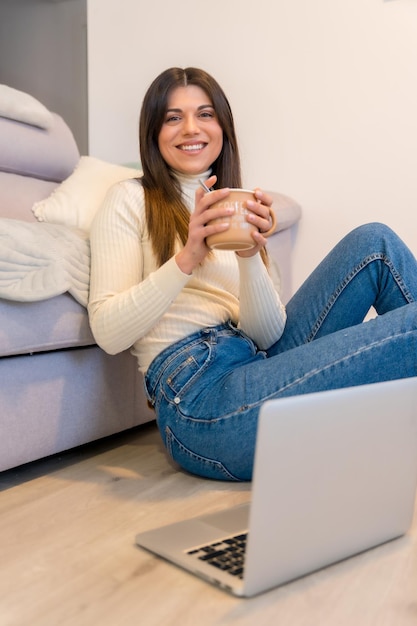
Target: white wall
{"points": [[324, 94]]}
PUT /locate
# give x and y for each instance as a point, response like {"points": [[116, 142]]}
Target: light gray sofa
{"points": [[58, 389]]}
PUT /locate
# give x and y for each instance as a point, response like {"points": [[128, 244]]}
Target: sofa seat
{"points": [[42, 326]]}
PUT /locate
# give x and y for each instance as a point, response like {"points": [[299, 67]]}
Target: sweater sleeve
{"points": [[123, 303], [262, 314]]}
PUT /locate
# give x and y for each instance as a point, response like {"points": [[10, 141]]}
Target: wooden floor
{"points": [[68, 555]]}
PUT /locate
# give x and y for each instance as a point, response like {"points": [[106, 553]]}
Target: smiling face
{"points": [[191, 138]]}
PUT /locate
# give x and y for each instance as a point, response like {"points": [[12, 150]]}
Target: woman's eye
{"points": [[176, 118], [172, 118]]}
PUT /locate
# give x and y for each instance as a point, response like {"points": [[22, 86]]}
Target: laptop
{"points": [[335, 474]]}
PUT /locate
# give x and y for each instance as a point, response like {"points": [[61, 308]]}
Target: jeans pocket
{"points": [[195, 463], [187, 367]]}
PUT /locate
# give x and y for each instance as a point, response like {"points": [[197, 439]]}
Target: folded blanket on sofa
{"points": [[39, 261]]}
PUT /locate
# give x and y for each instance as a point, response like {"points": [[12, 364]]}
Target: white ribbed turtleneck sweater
{"points": [[136, 304]]}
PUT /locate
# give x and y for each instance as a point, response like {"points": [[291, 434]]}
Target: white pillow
{"points": [[76, 201], [20, 106]]}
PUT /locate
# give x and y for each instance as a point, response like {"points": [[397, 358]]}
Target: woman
{"points": [[207, 327]]}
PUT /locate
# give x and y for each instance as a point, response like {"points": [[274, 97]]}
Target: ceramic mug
{"points": [[238, 235]]}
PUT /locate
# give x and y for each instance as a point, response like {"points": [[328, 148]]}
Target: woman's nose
{"points": [[190, 125]]}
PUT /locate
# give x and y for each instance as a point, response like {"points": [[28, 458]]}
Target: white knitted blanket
{"points": [[41, 260]]}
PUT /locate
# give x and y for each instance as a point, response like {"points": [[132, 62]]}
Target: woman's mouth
{"points": [[195, 147]]}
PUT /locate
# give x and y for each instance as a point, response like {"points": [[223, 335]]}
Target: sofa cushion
{"points": [[19, 193], [54, 324], [76, 201], [50, 154]]}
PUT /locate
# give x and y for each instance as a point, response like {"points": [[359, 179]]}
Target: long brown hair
{"points": [[161, 187]]}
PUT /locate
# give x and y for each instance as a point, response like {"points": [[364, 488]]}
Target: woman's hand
{"points": [[259, 215], [196, 249]]}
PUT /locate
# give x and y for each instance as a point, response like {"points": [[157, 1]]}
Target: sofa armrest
{"points": [[33, 162], [45, 154], [287, 211]]}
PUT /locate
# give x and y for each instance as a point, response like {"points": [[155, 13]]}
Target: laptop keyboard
{"points": [[227, 555]]}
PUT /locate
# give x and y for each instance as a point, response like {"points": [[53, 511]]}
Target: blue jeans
{"points": [[208, 388]]}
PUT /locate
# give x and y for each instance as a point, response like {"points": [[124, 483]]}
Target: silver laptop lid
{"points": [[335, 474]]}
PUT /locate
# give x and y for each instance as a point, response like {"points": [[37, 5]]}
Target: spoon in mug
{"points": [[204, 186]]}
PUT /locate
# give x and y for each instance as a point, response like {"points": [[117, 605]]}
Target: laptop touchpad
{"points": [[230, 520]]}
